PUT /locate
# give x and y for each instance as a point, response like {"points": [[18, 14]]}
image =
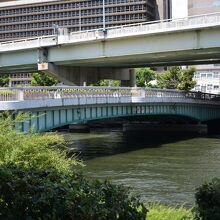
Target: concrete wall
{"points": [[163, 9]]}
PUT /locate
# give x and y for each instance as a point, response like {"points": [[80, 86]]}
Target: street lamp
{"points": [[103, 14], [55, 29], [80, 17]]}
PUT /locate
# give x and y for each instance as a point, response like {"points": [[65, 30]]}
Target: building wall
{"points": [[207, 78], [20, 79], [163, 9], [197, 7], [22, 19]]}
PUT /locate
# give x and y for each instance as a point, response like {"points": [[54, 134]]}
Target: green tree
{"points": [[176, 78], [144, 75], [107, 82], [4, 80], [43, 79], [186, 80]]}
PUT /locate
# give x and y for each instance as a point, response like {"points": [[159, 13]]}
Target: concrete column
{"points": [[131, 82], [133, 78]]}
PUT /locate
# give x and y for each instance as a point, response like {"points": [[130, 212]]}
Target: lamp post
{"points": [[55, 29], [103, 14], [80, 17], [56, 32]]}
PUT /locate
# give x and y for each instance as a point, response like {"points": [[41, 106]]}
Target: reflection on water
{"points": [[158, 168]]}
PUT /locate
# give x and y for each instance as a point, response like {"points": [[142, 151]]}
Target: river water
{"points": [[163, 169]]}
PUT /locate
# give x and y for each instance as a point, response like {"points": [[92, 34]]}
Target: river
{"points": [[163, 169]]}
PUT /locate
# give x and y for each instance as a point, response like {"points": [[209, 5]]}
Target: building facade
{"points": [[30, 18], [197, 7], [207, 78], [20, 79]]}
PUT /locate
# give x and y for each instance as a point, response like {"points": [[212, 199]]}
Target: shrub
{"points": [[208, 201], [33, 150], [31, 194], [27, 193]]}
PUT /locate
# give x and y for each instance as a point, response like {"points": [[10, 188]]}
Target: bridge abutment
{"points": [[82, 76]]}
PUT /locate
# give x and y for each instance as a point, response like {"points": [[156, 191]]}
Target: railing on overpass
{"points": [[44, 93], [192, 22], [197, 21]]}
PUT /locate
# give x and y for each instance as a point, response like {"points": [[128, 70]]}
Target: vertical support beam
{"points": [[132, 77]]}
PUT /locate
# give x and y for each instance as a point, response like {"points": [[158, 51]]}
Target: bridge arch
{"points": [[48, 119]]}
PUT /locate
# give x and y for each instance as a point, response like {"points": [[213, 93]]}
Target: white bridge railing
{"points": [[192, 22], [46, 93]]}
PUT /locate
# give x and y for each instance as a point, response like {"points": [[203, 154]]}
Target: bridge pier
{"points": [[82, 76]]}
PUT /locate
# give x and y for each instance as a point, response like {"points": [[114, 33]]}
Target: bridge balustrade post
{"points": [[20, 95]]}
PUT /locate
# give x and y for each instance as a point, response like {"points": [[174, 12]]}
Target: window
{"points": [[197, 88], [203, 88], [216, 87], [197, 75], [216, 75], [203, 75], [209, 75], [209, 87]]}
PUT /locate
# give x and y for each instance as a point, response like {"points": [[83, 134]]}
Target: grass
{"points": [[162, 212]]}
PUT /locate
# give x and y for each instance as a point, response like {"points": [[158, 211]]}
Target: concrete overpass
{"points": [[53, 107], [88, 56]]}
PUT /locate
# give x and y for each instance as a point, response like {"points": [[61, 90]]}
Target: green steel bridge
{"points": [[53, 107]]}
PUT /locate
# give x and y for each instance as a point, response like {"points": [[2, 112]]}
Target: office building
{"points": [[207, 78], [30, 18], [197, 7], [20, 79]]}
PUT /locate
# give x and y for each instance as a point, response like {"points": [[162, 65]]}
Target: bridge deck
{"points": [[41, 97]]}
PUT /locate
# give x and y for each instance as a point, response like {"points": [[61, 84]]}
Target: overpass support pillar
{"points": [[82, 76], [132, 79]]}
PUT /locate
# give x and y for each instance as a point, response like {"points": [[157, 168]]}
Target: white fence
{"points": [[45, 93]]}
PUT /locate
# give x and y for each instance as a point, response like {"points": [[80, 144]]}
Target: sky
{"points": [[179, 8]]}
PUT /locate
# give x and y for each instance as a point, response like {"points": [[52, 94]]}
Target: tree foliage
{"points": [[144, 76], [208, 201], [28, 193], [106, 82], [33, 150], [43, 79], [176, 78], [4, 80]]}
